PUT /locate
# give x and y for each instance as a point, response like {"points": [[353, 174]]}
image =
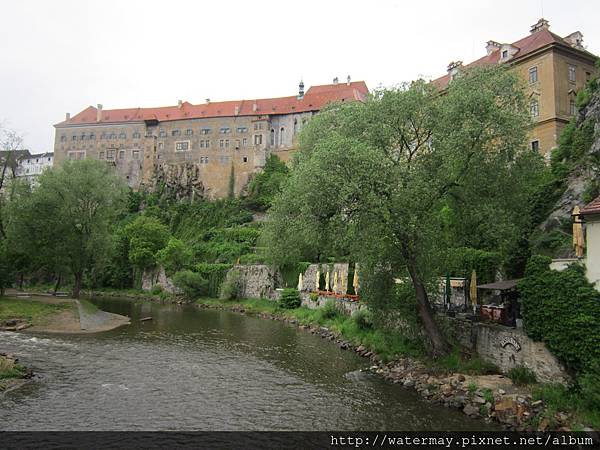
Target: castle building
{"points": [[554, 69], [197, 148]]}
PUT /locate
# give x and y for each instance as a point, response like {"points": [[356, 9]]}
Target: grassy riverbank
{"points": [[32, 311]]}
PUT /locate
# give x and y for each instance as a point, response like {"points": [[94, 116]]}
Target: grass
{"points": [[32, 311], [388, 344], [88, 306], [456, 362], [522, 376], [559, 398], [9, 370]]}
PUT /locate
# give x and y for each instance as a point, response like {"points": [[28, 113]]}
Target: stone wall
{"points": [[257, 281], [508, 348], [344, 305], [309, 277]]}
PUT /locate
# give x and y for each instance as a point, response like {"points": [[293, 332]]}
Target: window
{"points": [[49, 159], [295, 126], [258, 139], [149, 132], [113, 135], [101, 155], [572, 73], [122, 135], [281, 133], [244, 159], [534, 108], [74, 138], [182, 146], [226, 143], [92, 137], [135, 154], [161, 145], [221, 143], [533, 75], [82, 137], [121, 154], [204, 160], [205, 131], [189, 132], [245, 142], [587, 76], [78, 154], [272, 136], [504, 54], [103, 136], [137, 135], [110, 154], [242, 130], [176, 133], [225, 130], [237, 143], [572, 107], [207, 143], [162, 133], [535, 146], [63, 138]]}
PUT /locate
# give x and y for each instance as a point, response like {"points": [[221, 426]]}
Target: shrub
{"points": [[330, 310], [463, 260], [314, 296], [232, 286], [215, 275], [290, 299], [563, 310], [363, 319], [191, 284], [522, 376], [175, 256], [156, 289], [589, 384]]}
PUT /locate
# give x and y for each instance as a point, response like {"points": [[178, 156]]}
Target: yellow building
{"points": [[554, 68], [196, 149]]}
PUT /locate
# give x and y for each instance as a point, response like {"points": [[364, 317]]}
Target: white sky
{"points": [[63, 55]]}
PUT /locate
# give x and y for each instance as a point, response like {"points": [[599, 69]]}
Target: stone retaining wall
{"points": [[508, 348], [151, 278], [257, 281], [344, 305]]}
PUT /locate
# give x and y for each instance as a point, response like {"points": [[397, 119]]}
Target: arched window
{"points": [[272, 136], [295, 126], [281, 132]]}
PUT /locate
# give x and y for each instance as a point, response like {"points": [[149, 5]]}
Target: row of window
{"points": [[106, 135], [203, 131], [206, 143], [534, 108], [222, 159], [571, 70]]}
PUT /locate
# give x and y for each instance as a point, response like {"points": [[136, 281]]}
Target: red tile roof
{"points": [[525, 46], [314, 99], [592, 207]]}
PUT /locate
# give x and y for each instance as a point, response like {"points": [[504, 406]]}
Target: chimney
{"points": [[575, 40], [541, 24], [301, 90], [254, 107], [99, 112], [492, 46], [68, 116], [179, 103], [335, 80], [237, 110], [208, 101], [348, 80], [454, 68]]}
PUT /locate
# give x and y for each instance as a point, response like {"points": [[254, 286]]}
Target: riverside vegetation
{"points": [[391, 183]]}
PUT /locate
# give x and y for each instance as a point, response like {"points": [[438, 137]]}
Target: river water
{"points": [[194, 369]]}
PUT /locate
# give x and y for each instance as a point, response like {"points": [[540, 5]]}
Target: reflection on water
{"points": [[192, 369]]}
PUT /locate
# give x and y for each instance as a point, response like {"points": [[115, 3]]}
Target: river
{"points": [[196, 369]]}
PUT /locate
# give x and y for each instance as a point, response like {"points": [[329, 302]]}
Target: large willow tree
{"points": [[374, 182]]}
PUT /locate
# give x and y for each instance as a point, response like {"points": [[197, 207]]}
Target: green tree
{"points": [[175, 256], [68, 218], [147, 235], [266, 185], [372, 179]]}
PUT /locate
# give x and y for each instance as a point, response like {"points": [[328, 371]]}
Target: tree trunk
{"points": [[57, 284], [77, 286], [438, 341]]}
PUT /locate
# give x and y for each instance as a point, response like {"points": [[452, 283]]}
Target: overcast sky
{"points": [[63, 55]]}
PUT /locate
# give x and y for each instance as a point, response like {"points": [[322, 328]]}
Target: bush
{"points": [[290, 299], [330, 310], [522, 376], [363, 319], [191, 284], [215, 275], [463, 260], [232, 286], [175, 256], [589, 384], [156, 289], [314, 296], [563, 310]]}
